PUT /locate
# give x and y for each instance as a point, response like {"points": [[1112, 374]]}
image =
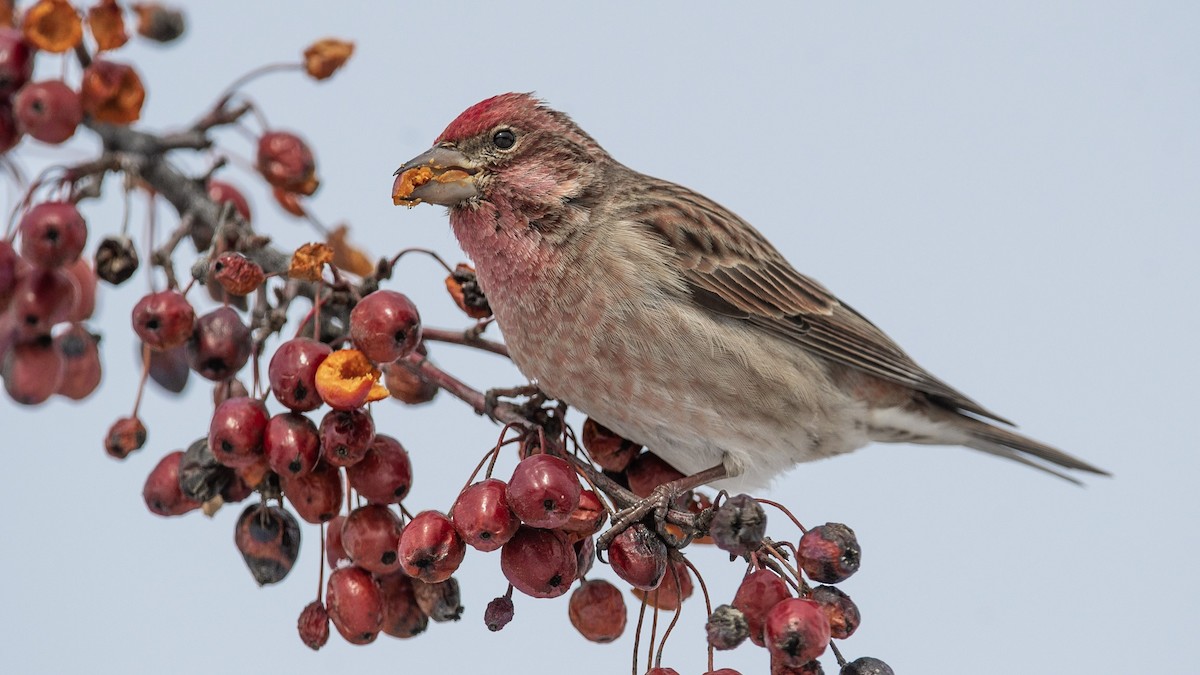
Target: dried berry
{"points": [[269, 540], [597, 610], [739, 525], [116, 259], [440, 601], [727, 627], [499, 613], [829, 553], [313, 625], [124, 436], [841, 611]]}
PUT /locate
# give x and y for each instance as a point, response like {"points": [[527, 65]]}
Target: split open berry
{"points": [[162, 493], [430, 548], [313, 625], [16, 61], [163, 320], [841, 611], [482, 517], [498, 614], [464, 289], [355, 604], [49, 111], [287, 162], [597, 610], [201, 476], [219, 345], [796, 631], [739, 526], [316, 495], [293, 373], [43, 298], [124, 436], [867, 666], [370, 536], [291, 444], [726, 627], [269, 540], [112, 92], [676, 587], [606, 448], [385, 326], [587, 518], [543, 491], [236, 431], [639, 557], [116, 259], [384, 474], [539, 563], [347, 379], [829, 553], [346, 435], [80, 362], [441, 602], [32, 371], [402, 616], [221, 192], [758, 593]]}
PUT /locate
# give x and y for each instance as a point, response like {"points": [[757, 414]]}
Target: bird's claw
{"points": [[491, 398], [657, 505]]}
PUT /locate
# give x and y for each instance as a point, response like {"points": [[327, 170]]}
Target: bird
{"points": [[670, 320]]}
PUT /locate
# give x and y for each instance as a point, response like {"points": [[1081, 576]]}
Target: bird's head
{"points": [[510, 149]]}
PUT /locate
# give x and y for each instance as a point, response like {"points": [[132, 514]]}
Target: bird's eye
{"points": [[504, 139]]}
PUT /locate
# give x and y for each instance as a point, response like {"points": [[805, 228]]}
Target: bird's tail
{"points": [[1002, 442]]}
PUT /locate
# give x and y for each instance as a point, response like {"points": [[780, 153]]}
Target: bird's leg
{"points": [[658, 503], [491, 397]]}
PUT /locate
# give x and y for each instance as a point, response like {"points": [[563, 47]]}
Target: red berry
{"points": [[829, 553], [648, 471], [402, 616], [724, 671], [587, 518], [235, 434], [675, 588], [334, 551], [81, 362], [840, 610], [355, 604], [346, 435], [441, 602], [430, 549], [219, 345], [543, 491], [44, 298], [482, 517], [163, 320], [313, 625], [237, 274], [758, 593], [796, 631], [539, 563], [499, 613], [221, 192], [49, 111], [316, 495], [9, 273], [269, 540], [606, 448], [124, 436], [385, 326], [370, 536], [16, 61], [293, 373], [162, 493], [10, 133], [384, 474], [287, 162], [639, 557], [85, 280], [662, 671], [291, 444], [32, 371], [52, 234], [597, 610]]}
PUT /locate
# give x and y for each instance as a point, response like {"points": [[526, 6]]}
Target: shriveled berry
{"points": [[163, 320], [498, 613], [49, 111], [639, 557], [291, 444], [201, 476], [161, 492], [346, 435], [796, 631], [313, 625], [867, 666], [370, 536], [441, 601], [597, 610], [385, 326], [116, 259], [80, 362], [430, 548], [169, 369], [355, 604], [236, 431], [227, 389], [316, 495], [112, 92], [840, 610], [407, 386], [402, 616], [384, 474], [829, 553], [293, 373], [676, 587], [159, 23], [543, 491], [219, 345], [739, 525], [758, 593], [539, 563], [269, 540], [220, 192], [237, 274], [606, 448], [32, 371], [464, 289], [482, 517], [726, 627], [287, 163], [124, 436]]}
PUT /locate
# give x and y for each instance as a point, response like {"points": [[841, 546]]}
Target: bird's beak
{"points": [[439, 175]]}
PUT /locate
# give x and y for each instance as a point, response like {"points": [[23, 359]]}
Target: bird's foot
{"points": [[491, 398], [657, 506]]}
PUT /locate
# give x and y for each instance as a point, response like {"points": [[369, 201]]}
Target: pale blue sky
{"points": [[1010, 192]]}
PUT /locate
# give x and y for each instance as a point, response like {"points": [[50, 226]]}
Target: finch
{"points": [[669, 319]]}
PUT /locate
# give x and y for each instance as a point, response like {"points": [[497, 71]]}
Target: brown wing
{"points": [[734, 271]]}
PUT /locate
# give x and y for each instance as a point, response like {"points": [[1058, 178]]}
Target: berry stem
{"points": [[321, 565], [785, 510], [252, 75], [675, 618], [708, 610], [432, 254], [137, 401], [637, 635]]}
